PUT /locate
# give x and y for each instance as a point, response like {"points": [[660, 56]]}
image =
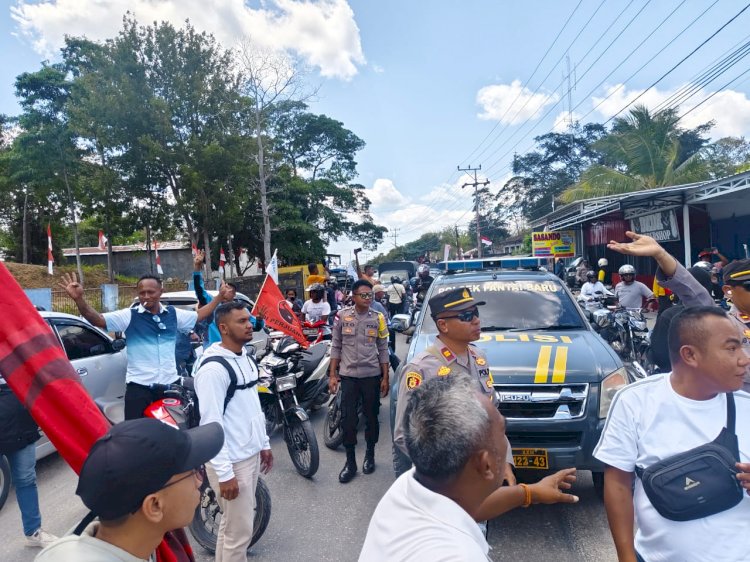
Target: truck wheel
{"points": [[598, 478]]}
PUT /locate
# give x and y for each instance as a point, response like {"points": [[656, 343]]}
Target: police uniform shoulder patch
{"points": [[443, 371], [447, 353], [481, 361], [413, 380]]}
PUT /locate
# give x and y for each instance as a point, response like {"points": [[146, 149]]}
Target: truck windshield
{"points": [[519, 305]]}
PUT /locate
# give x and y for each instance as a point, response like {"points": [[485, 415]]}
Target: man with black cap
{"points": [[456, 316], [141, 479]]}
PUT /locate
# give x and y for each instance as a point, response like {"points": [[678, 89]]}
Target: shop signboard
{"points": [[661, 226], [559, 244]]}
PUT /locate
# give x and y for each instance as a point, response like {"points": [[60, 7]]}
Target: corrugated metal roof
{"points": [[140, 247]]}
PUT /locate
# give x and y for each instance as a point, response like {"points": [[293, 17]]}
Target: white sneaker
{"points": [[40, 539]]}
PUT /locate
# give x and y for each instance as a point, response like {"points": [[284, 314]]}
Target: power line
{"points": [[714, 34], [714, 93]]}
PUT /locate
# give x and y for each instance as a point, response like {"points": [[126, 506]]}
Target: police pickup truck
{"points": [[554, 376]]}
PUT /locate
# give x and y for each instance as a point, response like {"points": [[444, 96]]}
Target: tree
{"points": [[643, 151], [544, 173], [726, 156]]}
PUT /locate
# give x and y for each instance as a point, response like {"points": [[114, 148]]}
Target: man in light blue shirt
{"points": [[151, 333]]}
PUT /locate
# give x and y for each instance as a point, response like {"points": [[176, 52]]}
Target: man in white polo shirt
{"points": [[151, 333], [456, 439], [661, 416]]}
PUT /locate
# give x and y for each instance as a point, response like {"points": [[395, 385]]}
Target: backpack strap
{"points": [[731, 412], [232, 378]]}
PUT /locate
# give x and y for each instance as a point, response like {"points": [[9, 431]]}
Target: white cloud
{"points": [[377, 69], [322, 32], [511, 103], [563, 120], [728, 108]]}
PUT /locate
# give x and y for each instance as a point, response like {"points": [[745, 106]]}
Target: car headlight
{"points": [[609, 387]]}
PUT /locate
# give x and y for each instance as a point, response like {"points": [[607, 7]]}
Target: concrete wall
{"points": [[177, 264]]}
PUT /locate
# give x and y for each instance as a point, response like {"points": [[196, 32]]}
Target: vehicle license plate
{"points": [[531, 458], [310, 331]]}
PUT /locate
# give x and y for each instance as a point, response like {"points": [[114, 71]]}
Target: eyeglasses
{"points": [[467, 316], [161, 324], [363, 295], [196, 472]]}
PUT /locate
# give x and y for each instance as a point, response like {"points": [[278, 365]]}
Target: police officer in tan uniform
{"points": [[359, 350], [456, 315]]}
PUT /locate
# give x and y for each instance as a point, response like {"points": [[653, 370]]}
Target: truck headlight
{"points": [[609, 387]]}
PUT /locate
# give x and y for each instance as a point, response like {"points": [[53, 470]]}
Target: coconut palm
{"points": [[643, 151]]}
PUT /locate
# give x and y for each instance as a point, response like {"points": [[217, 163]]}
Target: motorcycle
{"points": [[179, 409], [294, 380], [317, 331], [626, 331]]}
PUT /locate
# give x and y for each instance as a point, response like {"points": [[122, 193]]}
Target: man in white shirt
{"points": [[456, 440], [667, 414], [226, 385], [316, 307], [590, 288], [151, 332]]}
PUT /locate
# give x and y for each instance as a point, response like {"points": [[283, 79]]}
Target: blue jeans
{"points": [[23, 473]]}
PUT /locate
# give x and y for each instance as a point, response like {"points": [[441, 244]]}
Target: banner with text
{"points": [[560, 244], [661, 226]]}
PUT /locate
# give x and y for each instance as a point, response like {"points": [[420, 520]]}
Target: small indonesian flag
{"points": [[194, 250], [222, 262], [277, 311], [447, 252], [102, 240], [50, 258], [486, 241], [159, 270]]}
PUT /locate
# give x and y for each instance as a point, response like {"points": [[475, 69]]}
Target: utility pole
{"points": [[395, 236], [475, 183], [458, 245]]}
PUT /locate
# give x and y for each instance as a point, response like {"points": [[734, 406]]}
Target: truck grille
{"points": [[542, 401], [544, 440]]}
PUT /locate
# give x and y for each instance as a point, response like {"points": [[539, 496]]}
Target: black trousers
{"points": [[137, 398], [352, 391]]}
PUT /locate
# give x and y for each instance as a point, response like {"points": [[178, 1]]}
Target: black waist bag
{"points": [[699, 482]]}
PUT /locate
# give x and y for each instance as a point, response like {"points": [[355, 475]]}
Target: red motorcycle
{"points": [[317, 331]]}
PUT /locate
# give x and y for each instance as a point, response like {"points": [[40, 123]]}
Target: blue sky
{"points": [[425, 83]]}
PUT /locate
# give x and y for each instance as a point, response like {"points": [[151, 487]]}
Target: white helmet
{"points": [[626, 269], [704, 265], [602, 262]]}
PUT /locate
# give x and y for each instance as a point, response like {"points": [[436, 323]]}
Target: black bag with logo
{"points": [[699, 482], [17, 427]]}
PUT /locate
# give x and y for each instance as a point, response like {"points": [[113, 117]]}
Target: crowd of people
{"points": [[452, 460]]}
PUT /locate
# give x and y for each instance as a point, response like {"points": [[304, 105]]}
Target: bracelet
{"points": [[527, 495]]}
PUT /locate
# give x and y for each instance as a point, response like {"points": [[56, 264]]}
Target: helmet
{"points": [[590, 274], [332, 279], [626, 269], [602, 262], [704, 265], [395, 279], [317, 288], [423, 269]]}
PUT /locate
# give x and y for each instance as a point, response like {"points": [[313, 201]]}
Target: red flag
{"points": [[277, 312], [194, 250], [159, 270], [102, 240], [38, 372], [50, 257]]}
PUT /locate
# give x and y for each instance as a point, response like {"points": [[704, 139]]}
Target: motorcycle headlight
{"points": [[610, 385], [285, 383], [639, 325]]}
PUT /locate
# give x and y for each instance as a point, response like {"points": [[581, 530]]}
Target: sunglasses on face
{"points": [[363, 295], [467, 316], [628, 275]]}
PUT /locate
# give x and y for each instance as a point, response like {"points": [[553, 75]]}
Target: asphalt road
{"points": [[320, 519]]}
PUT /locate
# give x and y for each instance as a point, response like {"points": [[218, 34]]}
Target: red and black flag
{"points": [[38, 372], [277, 312]]}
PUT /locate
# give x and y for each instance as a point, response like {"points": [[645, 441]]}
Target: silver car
{"points": [[99, 360]]}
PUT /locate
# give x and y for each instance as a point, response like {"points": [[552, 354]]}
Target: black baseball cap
{"points": [[137, 458], [454, 300]]}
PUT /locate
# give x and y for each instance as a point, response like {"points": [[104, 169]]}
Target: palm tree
{"points": [[643, 151]]}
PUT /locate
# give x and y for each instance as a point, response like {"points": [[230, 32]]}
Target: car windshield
{"points": [[385, 276], [520, 305]]}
